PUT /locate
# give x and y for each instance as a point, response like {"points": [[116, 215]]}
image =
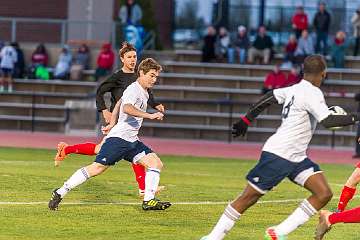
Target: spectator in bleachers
{"points": [[8, 59], [19, 68], [222, 44], [240, 45], [105, 61], [322, 22], [130, 13], [304, 48], [208, 49], [299, 21], [293, 77], [80, 62], [262, 47], [62, 68], [40, 56], [338, 49], [355, 20], [274, 79], [290, 49]]}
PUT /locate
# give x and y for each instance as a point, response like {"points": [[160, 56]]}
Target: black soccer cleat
{"points": [[54, 200], [155, 204]]}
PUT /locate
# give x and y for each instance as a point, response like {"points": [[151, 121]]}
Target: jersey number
{"points": [[286, 109]]}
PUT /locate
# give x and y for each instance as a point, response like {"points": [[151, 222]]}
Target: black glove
{"points": [[240, 127]]}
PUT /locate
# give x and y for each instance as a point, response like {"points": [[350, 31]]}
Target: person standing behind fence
{"points": [[262, 47], [130, 13], [299, 21], [105, 61], [322, 22], [355, 20], [20, 64], [8, 59]]}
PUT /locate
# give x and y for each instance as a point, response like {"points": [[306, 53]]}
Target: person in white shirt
{"points": [[8, 57], [284, 153], [122, 141]]}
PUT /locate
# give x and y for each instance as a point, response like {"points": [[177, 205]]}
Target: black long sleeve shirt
{"points": [[116, 85]]}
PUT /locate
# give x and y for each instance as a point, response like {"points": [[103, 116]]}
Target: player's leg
{"points": [[309, 175], [349, 189], [88, 148], [112, 151], [269, 172], [10, 81]]}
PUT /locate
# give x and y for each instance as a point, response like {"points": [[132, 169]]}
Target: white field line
{"points": [[138, 203]]}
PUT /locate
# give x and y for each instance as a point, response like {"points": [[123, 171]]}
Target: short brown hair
{"points": [[148, 64], [126, 47], [314, 64]]}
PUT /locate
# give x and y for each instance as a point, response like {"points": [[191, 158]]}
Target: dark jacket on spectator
{"points": [[322, 21], [262, 43], [208, 51], [242, 42]]}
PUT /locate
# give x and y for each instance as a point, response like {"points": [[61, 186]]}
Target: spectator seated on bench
{"points": [[80, 63], [62, 67], [105, 61]]}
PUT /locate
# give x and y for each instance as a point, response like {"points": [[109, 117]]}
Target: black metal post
{"points": [[230, 120], [32, 112], [261, 12]]}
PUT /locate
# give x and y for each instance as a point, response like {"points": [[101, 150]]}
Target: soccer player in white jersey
{"points": [[284, 153], [122, 141]]}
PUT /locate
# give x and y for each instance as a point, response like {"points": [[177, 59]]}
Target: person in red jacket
{"points": [[274, 79], [292, 77], [105, 61], [299, 21]]}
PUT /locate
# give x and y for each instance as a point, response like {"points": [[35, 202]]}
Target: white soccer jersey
{"points": [[128, 126], [303, 106], [8, 57]]}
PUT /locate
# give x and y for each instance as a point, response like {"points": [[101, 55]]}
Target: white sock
{"points": [[79, 177], [300, 216], [152, 179], [225, 223]]}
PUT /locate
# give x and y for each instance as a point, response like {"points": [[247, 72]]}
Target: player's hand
{"points": [[156, 116], [240, 127], [105, 130], [160, 108], [107, 115]]}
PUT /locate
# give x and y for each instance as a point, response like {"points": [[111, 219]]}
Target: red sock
{"points": [[346, 195], [83, 148], [139, 171], [349, 216]]}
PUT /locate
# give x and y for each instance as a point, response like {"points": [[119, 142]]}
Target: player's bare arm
{"points": [[133, 111]]}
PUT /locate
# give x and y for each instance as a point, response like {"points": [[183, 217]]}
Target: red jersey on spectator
{"points": [[275, 80], [291, 47], [300, 20], [39, 58], [106, 57], [292, 79]]}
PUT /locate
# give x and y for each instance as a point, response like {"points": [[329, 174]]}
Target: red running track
{"points": [[197, 148]]}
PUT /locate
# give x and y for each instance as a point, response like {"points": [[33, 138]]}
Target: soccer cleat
{"points": [[55, 200], [158, 190], [60, 154], [323, 226], [270, 234], [155, 204]]}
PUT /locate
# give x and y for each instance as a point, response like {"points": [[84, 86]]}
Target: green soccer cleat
{"points": [[155, 204], [270, 234]]}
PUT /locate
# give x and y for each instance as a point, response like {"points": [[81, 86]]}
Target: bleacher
{"points": [[202, 101]]}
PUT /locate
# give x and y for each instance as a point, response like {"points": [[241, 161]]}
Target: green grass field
{"points": [[28, 176]]}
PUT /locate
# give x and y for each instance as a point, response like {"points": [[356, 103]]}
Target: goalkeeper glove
{"points": [[240, 127]]}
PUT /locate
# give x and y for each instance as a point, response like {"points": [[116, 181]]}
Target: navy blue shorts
{"points": [[6, 72], [114, 149], [272, 169]]}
